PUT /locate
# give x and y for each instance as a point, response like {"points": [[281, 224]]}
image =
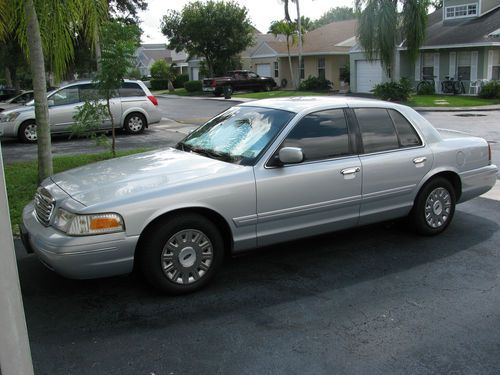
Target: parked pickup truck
{"points": [[238, 80]]}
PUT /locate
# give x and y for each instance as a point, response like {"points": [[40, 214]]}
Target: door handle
{"points": [[419, 160], [350, 170]]}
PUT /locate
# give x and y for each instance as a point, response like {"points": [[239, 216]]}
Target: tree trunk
{"points": [[97, 50], [113, 133], [40, 91], [292, 76], [299, 31], [8, 78]]}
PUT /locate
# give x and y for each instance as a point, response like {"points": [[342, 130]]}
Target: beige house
{"points": [[325, 52]]}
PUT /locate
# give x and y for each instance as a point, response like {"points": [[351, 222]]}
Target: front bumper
{"points": [[85, 257]]}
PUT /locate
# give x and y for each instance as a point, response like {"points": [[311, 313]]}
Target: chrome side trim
{"points": [[389, 192], [245, 220]]}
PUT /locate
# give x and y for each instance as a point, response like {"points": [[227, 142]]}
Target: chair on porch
{"points": [[474, 87]]}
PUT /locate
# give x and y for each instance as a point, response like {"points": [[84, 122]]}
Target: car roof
{"points": [[310, 103], [86, 81]]}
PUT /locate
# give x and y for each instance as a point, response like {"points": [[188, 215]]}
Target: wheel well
{"points": [[138, 113], [454, 179], [25, 122], [211, 215]]}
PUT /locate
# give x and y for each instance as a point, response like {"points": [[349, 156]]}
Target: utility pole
{"points": [[15, 355]]}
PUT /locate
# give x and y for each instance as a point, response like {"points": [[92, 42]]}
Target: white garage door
{"points": [[368, 74], [195, 73], [263, 70]]}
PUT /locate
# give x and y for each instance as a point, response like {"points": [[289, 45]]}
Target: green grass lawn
{"points": [[180, 92], [21, 179], [449, 101]]}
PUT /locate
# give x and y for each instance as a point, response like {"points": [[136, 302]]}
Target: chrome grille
{"points": [[44, 206]]}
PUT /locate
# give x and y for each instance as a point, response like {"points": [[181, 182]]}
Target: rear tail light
{"points": [[489, 153], [213, 84], [153, 99]]}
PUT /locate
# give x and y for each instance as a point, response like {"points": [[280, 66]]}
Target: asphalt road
{"points": [[376, 300]]}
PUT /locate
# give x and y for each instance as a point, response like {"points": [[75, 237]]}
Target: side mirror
{"points": [[50, 102], [291, 155]]}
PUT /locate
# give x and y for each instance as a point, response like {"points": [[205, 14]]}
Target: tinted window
{"points": [[408, 137], [131, 89], [66, 96], [377, 130], [320, 135], [88, 92]]}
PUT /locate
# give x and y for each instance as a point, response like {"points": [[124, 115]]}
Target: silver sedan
{"points": [[258, 174]]}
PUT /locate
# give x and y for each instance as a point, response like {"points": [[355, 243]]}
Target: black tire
{"points": [[434, 207], [27, 132], [217, 93], [268, 87], [160, 257], [134, 123]]}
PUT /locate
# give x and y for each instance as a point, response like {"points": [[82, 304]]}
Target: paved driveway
{"points": [[377, 300]]}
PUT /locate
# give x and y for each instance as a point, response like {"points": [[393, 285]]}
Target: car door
{"points": [[320, 194], [394, 161], [63, 106]]}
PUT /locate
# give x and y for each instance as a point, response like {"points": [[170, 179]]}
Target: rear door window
{"points": [[407, 135], [377, 129]]}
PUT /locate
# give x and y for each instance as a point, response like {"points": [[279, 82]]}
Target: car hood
{"points": [[21, 108], [124, 177]]}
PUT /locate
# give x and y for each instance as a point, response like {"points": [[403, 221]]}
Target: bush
{"points": [[426, 90], [314, 83], [159, 84], [161, 70], [393, 91], [192, 86], [490, 90], [134, 74], [180, 80]]}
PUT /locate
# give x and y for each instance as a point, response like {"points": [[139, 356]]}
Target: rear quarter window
{"points": [[407, 135], [130, 89]]}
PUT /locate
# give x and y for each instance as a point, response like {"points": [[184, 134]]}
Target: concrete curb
{"points": [[458, 109]]}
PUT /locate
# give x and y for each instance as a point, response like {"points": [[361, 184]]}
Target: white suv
{"points": [[133, 109]]}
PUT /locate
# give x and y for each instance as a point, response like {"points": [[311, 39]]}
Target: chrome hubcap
{"points": [[187, 256], [30, 132], [135, 124], [437, 207]]}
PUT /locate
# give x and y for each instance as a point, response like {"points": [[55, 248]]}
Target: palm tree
{"points": [[380, 26], [45, 30], [299, 30], [287, 29]]}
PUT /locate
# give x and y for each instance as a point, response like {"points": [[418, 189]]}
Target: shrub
{"points": [[134, 74], [490, 90], [426, 90], [192, 86], [159, 84], [161, 70], [180, 80], [393, 91], [314, 83]]}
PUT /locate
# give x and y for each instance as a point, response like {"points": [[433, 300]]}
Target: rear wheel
{"points": [[135, 123], [182, 255], [268, 87], [27, 132], [434, 207]]}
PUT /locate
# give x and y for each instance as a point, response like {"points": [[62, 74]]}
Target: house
{"points": [[462, 41], [325, 53], [147, 54]]}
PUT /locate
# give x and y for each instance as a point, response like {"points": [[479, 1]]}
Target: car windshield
{"points": [[238, 135]]}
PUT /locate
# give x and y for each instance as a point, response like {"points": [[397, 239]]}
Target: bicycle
{"points": [[427, 85], [452, 86]]}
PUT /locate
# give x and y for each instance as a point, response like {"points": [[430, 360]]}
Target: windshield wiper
{"points": [[183, 146]]}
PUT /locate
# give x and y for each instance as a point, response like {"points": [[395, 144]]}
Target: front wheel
{"points": [[181, 255], [434, 207], [27, 132], [135, 123], [268, 87]]}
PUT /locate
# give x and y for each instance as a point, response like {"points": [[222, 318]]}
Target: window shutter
{"points": [[417, 68], [490, 65], [436, 71], [473, 66], [453, 64]]}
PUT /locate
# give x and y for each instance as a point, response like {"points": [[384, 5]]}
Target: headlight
{"points": [[84, 225], [9, 117]]}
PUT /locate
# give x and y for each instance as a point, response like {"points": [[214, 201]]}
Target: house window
{"points": [[276, 69], [321, 67], [460, 11], [495, 74], [464, 63], [302, 74], [428, 66]]}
